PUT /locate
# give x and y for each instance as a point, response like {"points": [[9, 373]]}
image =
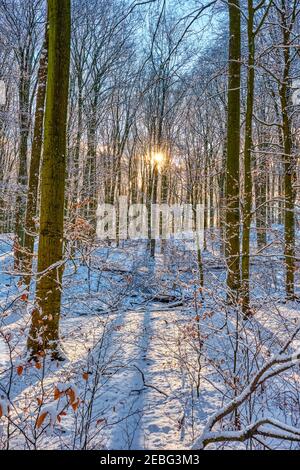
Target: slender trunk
{"points": [[290, 175], [233, 154], [165, 192], [222, 203], [154, 201], [75, 166], [34, 173], [247, 164], [24, 96], [205, 191], [211, 198], [90, 167], [2, 163], [261, 200], [289, 180]]}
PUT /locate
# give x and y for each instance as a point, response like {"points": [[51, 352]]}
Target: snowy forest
{"points": [[149, 225]]}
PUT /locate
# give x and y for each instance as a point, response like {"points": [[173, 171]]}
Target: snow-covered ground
{"points": [[148, 360]]}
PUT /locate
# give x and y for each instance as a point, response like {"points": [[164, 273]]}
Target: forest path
{"points": [[147, 409]]}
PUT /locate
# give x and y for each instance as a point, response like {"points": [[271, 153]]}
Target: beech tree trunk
{"points": [[248, 164], [233, 154], [44, 332], [289, 179]]}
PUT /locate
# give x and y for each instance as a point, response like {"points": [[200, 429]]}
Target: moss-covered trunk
{"points": [[233, 154], [44, 333], [289, 177], [248, 163]]}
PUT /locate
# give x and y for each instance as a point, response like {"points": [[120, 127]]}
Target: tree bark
{"points": [[233, 154], [24, 122], [290, 176], [35, 162], [44, 332], [248, 164], [289, 179]]}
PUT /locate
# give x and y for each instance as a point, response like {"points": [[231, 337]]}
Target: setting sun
{"points": [[158, 158]]}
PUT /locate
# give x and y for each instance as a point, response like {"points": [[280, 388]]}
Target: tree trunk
{"points": [[34, 173], [233, 154], [44, 332], [290, 175], [205, 196], [289, 180], [247, 164], [24, 96], [165, 193], [90, 170], [154, 200]]}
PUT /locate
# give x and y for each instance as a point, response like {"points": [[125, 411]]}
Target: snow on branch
{"points": [[268, 427]]}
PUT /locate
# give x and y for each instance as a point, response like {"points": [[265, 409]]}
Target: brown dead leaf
{"points": [[57, 394], [75, 405], [71, 395], [41, 419]]}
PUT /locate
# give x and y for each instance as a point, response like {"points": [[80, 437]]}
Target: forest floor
{"points": [[148, 357]]}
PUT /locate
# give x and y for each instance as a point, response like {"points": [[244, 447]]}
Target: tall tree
{"points": [[44, 332], [33, 183], [233, 153], [288, 13], [248, 181]]}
